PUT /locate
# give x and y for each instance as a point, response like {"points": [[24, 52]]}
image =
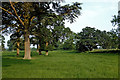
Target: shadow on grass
{"points": [[6, 62], [73, 52], [12, 54]]}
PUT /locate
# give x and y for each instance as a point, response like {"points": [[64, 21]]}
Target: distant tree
{"points": [[87, 37], [2, 41], [90, 38], [116, 21], [16, 38], [13, 44], [69, 42], [10, 45], [114, 38], [81, 47]]}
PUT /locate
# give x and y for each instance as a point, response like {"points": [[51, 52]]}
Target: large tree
{"points": [[90, 38], [19, 13], [24, 13]]}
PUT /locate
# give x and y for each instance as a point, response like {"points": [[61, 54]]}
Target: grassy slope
{"points": [[60, 64]]}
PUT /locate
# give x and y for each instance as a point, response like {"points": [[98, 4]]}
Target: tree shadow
{"points": [[14, 54], [73, 52], [6, 62]]}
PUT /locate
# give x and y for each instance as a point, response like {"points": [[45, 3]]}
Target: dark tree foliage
{"points": [[12, 44], [2, 41], [116, 21], [23, 15], [90, 38]]}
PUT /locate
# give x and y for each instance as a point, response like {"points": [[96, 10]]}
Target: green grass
{"points": [[60, 64], [105, 51]]}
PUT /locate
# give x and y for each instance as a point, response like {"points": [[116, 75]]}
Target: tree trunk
{"points": [[18, 44], [46, 48], [39, 49], [119, 42], [27, 46]]}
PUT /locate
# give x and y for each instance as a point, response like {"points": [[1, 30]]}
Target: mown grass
{"points": [[60, 64], [105, 51]]}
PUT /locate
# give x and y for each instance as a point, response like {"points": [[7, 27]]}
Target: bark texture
{"points": [[18, 42], [27, 46]]}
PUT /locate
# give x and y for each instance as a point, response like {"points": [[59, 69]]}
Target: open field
{"points": [[60, 64]]}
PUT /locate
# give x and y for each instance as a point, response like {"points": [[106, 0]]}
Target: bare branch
{"points": [[32, 18]]}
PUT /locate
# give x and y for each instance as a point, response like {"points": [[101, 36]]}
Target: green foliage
{"points": [[12, 44], [70, 12], [81, 47], [41, 20], [69, 43], [90, 38], [2, 41], [50, 47], [87, 39], [115, 21], [33, 49]]}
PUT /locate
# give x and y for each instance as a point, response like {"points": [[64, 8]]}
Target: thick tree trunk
{"points": [[46, 48], [18, 44], [27, 46]]}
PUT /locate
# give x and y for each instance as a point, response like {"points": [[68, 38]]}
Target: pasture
{"points": [[60, 64]]}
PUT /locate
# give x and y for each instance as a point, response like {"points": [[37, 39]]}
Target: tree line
{"points": [[86, 40]]}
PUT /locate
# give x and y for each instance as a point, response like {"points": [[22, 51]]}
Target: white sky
{"points": [[94, 13]]}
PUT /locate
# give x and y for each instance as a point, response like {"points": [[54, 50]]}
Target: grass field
{"points": [[60, 64]]}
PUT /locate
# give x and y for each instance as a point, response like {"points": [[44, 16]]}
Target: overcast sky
{"points": [[94, 13]]}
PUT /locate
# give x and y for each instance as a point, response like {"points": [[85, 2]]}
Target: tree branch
{"points": [[16, 13], [6, 10], [4, 28], [32, 18]]}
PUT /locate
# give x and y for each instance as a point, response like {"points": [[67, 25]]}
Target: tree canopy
{"points": [[40, 17]]}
